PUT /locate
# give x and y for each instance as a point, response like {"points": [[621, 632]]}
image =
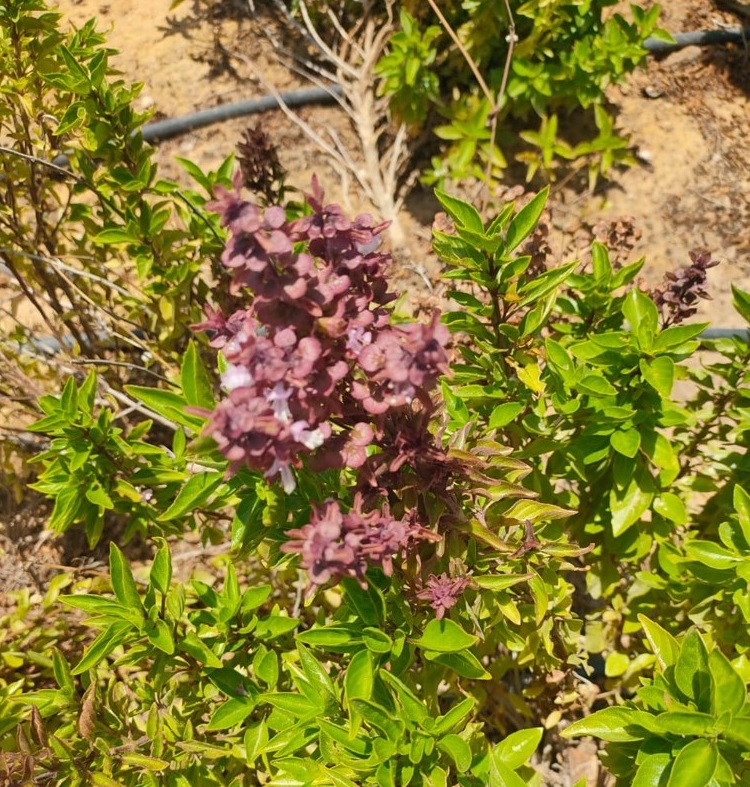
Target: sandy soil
{"points": [[693, 191]]}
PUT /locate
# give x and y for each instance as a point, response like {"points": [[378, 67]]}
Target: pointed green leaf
{"points": [[123, 583], [194, 379], [525, 220], [663, 644]]}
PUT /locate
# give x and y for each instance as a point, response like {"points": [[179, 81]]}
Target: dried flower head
{"points": [[259, 164], [677, 298]]}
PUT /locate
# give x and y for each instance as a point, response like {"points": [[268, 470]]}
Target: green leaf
{"points": [[461, 212], [712, 555], [691, 673], [503, 414], [194, 646], [694, 765], [114, 235], [525, 220], [728, 692], [113, 636], [677, 335], [455, 717], [444, 636], [316, 675], [296, 704], [600, 262], [266, 666], [653, 770], [595, 385], [160, 575], [741, 302], [194, 379], [659, 374], [330, 636], [166, 403], [616, 664], [642, 315], [231, 713], [616, 724], [663, 644], [255, 740], [359, 677], [197, 490], [628, 504], [538, 287], [458, 750], [626, 442], [463, 663], [499, 582], [123, 583], [145, 762], [742, 507], [379, 718], [685, 723], [671, 507], [516, 749], [160, 635]]}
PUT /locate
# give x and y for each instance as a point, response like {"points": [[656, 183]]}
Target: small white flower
{"points": [[278, 397], [310, 438], [236, 377], [288, 480]]}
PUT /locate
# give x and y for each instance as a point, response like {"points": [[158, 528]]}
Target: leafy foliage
{"points": [[566, 54], [450, 539]]}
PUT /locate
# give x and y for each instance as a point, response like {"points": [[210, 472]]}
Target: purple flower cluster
{"points": [[314, 367], [335, 545]]}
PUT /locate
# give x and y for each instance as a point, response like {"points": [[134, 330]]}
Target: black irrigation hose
{"points": [[160, 130], [655, 46], [173, 127]]}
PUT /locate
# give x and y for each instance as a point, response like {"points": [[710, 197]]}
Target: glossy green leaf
{"points": [[160, 635], [230, 713], [160, 575], [685, 723], [464, 663], [626, 441], [728, 692], [197, 491], [444, 636], [653, 770], [695, 765], [194, 379], [659, 374], [458, 750], [610, 724], [504, 413], [663, 644], [463, 213], [515, 749], [642, 315], [741, 302], [691, 671], [109, 639], [628, 504], [123, 583], [525, 220]]}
